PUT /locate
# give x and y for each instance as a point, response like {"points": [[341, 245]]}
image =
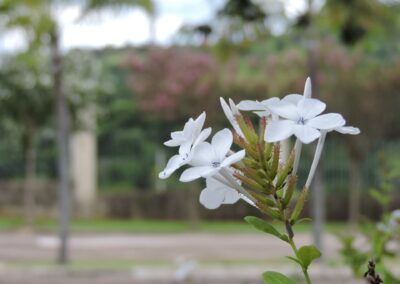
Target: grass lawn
{"points": [[150, 226]]}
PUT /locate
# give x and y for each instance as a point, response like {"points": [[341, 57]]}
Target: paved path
{"points": [[210, 258]]}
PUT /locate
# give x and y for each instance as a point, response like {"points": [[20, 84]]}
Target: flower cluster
{"points": [[257, 172]]}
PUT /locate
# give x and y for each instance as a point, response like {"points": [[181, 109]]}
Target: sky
{"points": [[129, 27]]}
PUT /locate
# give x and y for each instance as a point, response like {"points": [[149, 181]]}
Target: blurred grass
{"points": [[151, 226], [117, 264]]}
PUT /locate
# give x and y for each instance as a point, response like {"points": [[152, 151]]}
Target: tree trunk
{"points": [[355, 190], [63, 129], [30, 177]]}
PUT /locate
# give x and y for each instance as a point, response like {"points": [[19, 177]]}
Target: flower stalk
{"points": [[317, 157]]}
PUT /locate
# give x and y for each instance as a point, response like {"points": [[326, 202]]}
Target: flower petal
{"points": [[177, 135], [286, 110], [349, 130], [199, 123], [221, 143], [189, 127], [327, 121], [184, 149], [309, 108], [278, 130], [292, 98], [173, 143], [233, 158], [248, 105], [203, 155], [231, 196], [235, 110], [229, 115], [271, 101], [174, 163], [262, 113], [212, 198], [306, 134], [307, 88], [195, 173], [202, 137]]}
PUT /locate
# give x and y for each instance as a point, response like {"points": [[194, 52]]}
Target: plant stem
{"points": [[294, 248]]}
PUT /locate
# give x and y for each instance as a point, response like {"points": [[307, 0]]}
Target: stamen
{"points": [[301, 121], [215, 164]]}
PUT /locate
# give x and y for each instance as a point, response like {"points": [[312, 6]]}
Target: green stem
{"points": [[294, 248]]}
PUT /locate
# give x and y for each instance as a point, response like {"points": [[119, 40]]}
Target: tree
{"points": [[26, 101], [37, 20]]}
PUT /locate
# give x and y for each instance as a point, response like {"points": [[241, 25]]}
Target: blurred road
{"points": [[146, 258]]}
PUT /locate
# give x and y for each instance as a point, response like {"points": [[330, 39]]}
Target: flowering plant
{"points": [[258, 173], [377, 238]]}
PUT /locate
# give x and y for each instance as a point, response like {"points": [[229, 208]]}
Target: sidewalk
{"points": [[148, 259]]}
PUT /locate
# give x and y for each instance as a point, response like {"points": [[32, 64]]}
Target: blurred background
{"points": [[90, 89]]}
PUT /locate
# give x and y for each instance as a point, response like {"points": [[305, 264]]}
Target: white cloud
{"points": [[106, 28]]}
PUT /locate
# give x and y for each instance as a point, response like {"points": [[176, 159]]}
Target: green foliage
{"points": [[121, 5], [308, 254], [265, 227], [378, 235], [353, 257], [244, 9], [271, 277]]}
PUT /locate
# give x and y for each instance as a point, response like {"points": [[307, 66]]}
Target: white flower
{"points": [[301, 119], [208, 159], [394, 221], [217, 193], [383, 228], [230, 112], [262, 108], [185, 269], [188, 139], [191, 134]]}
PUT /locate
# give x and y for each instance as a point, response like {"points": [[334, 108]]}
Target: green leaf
{"points": [[271, 277], [295, 260], [307, 254], [265, 227], [304, 220]]}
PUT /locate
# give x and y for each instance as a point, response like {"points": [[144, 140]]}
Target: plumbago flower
{"points": [[208, 159], [302, 120], [217, 193], [257, 173], [187, 140]]}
